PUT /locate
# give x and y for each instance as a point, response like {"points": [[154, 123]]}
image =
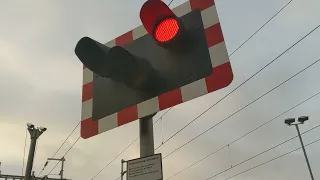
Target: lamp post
{"points": [[301, 120], [34, 135]]}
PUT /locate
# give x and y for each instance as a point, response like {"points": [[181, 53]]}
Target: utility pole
{"points": [[34, 135], [301, 120], [62, 164]]}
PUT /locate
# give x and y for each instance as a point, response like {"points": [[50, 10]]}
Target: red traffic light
{"points": [[166, 30], [160, 22]]}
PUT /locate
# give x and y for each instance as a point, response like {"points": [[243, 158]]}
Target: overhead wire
{"points": [[266, 162], [64, 155], [170, 3], [241, 45], [244, 42], [268, 64], [244, 107], [162, 116], [59, 148], [252, 157], [263, 152], [79, 137], [137, 137], [114, 158], [127, 147], [241, 137], [224, 97], [229, 56]]}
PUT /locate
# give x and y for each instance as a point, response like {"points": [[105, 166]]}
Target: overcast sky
{"points": [[42, 79]]}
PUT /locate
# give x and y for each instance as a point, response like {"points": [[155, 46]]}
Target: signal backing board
{"points": [[221, 77]]}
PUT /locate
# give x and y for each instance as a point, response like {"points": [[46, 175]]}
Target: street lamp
{"points": [[301, 120], [34, 135]]}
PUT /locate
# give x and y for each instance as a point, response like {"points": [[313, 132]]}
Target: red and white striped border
{"points": [[221, 77]]}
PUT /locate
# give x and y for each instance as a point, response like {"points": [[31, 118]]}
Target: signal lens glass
{"points": [[167, 30]]}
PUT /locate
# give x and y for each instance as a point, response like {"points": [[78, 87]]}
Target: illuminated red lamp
{"points": [[160, 22], [166, 30]]}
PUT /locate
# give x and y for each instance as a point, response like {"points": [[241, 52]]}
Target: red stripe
{"points": [[221, 77], [170, 99], [124, 39], [201, 4], [127, 115], [89, 128], [87, 91], [214, 35]]}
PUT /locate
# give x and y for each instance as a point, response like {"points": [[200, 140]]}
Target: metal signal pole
{"points": [[146, 136]]}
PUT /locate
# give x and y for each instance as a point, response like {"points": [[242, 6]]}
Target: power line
{"points": [[247, 105], [224, 97], [265, 151], [244, 81], [127, 147], [260, 28], [24, 152], [162, 116], [65, 154], [170, 3], [272, 160], [271, 120], [115, 158], [241, 83], [59, 147], [79, 137], [235, 90], [170, 108]]}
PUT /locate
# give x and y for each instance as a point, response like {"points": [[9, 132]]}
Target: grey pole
{"points": [[34, 135], [62, 166], [122, 161], [146, 136], [33, 143], [304, 152]]}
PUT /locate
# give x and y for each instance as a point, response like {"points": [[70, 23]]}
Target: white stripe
{"points": [[139, 32], [107, 123], [218, 54], [111, 43], [148, 107], [87, 76], [194, 90], [209, 16], [86, 111], [182, 9]]}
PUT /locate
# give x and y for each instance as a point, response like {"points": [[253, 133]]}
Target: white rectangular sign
{"points": [[146, 168]]}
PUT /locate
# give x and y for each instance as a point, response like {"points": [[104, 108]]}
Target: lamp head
{"points": [[43, 129], [302, 119], [289, 121], [30, 125]]}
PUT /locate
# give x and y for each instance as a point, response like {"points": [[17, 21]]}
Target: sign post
{"points": [[146, 136]]}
